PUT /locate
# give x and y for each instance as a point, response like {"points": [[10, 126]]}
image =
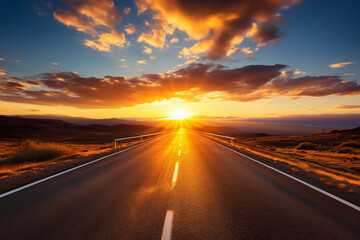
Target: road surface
{"points": [[179, 186]]}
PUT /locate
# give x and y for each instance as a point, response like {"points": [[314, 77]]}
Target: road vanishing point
{"points": [[178, 186]]}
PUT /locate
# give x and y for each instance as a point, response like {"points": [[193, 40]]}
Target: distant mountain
{"points": [[17, 128], [236, 128], [90, 121], [343, 121]]}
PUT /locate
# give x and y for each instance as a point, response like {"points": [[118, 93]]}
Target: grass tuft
{"points": [[306, 146], [346, 150], [32, 151], [351, 144]]}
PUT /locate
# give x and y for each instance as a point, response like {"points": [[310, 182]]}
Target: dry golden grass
{"points": [[326, 155], [35, 151], [17, 157]]}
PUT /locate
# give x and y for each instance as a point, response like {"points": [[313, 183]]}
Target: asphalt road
{"points": [[180, 186]]}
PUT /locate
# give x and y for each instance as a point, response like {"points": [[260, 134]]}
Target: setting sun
{"points": [[179, 115]]}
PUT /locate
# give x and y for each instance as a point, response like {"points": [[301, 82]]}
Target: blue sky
{"points": [[316, 35], [41, 37]]}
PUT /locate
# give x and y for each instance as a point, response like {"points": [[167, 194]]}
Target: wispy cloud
{"points": [[2, 60], [340, 65], [347, 106]]}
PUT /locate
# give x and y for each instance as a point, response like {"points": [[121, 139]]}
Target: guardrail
{"points": [[135, 137], [217, 135]]}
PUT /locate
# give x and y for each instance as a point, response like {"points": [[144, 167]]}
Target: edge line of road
{"points": [[72, 169], [293, 178]]}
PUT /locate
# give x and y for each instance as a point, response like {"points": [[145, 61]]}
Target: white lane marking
{"points": [[175, 176], [180, 145], [167, 229], [69, 170], [296, 179], [179, 152]]}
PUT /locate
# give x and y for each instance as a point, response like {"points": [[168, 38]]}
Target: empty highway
{"points": [[178, 186]]}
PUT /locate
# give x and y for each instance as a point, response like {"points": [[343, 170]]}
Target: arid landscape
{"points": [[29, 145]]}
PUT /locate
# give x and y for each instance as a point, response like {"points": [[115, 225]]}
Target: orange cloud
{"points": [[174, 40], [93, 17], [244, 50], [130, 29], [2, 59], [193, 83], [2, 72], [147, 50], [340, 65], [200, 47], [156, 38], [219, 21], [105, 40]]}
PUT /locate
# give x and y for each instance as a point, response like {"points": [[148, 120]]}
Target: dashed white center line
{"points": [[180, 145], [174, 179], [167, 229], [179, 152]]}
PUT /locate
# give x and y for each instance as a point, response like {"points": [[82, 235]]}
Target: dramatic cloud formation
{"points": [[219, 25], [340, 65], [196, 82], [93, 17]]}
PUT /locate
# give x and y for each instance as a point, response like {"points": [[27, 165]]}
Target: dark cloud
{"points": [[267, 33], [315, 86], [196, 82]]}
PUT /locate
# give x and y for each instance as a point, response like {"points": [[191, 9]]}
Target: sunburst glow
{"points": [[179, 115]]}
